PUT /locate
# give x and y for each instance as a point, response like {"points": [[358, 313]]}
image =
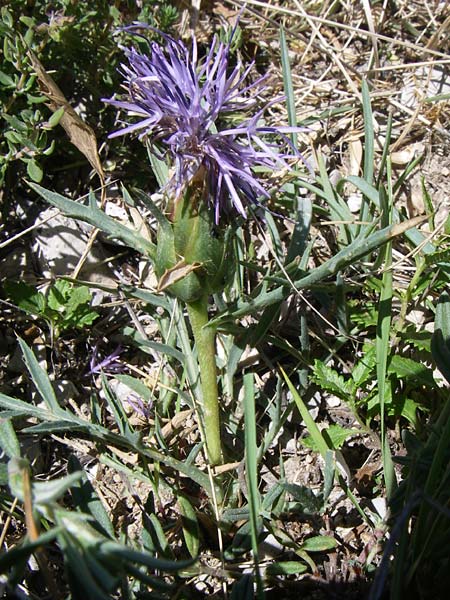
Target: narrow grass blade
{"points": [[321, 443], [288, 86], [383, 337], [251, 466], [369, 159], [440, 342], [364, 213], [311, 426], [303, 203], [40, 378], [191, 531]]}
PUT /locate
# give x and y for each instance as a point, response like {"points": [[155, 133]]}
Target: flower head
{"points": [[182, 101]]}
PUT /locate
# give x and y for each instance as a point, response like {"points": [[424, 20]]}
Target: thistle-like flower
{"points": [[182, 102]]}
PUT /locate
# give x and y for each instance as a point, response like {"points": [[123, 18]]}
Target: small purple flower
{"points": [[139, 406], [182, 101], [109, 364]]}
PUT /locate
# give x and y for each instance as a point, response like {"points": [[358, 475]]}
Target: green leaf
{"points": [[329, 380], [363, 369], [78, 312], [251, 471], [57, 295], [335, 434], [78, 296], [440, 342], [411, 371], [320, 543], [7, 80], [56, 117], [87, 500], [95, 216], [365, 188], [112, 550], [25, 296], [103, 435], [40, 378], [288, 567], [57, 427], [43, 492], [21, 553], [307, 418], [71, 304], [191, 531], [347, 256], [8, 439], [304, 496], [34, 170]]}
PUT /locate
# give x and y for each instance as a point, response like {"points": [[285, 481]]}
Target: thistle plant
{"points": [[179, 103]]}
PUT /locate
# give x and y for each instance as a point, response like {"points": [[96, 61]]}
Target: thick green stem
{"points": [[205, 339]]}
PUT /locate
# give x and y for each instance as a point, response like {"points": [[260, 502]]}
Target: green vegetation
{"points": [[329, 337]]}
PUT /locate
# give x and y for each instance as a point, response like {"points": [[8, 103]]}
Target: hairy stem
{"points": [[205, 338]]}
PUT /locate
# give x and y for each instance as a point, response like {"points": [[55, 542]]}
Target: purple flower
{"points": [[181, 102], [138, 405], [109, 364]]}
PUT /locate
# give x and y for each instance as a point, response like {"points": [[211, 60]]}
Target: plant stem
{"points": [[205, 339]]}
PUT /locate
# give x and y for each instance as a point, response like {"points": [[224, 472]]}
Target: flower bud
{"points": [[193, 256]]}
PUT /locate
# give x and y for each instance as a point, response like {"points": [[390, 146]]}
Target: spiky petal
{"points": [[182, 103]]}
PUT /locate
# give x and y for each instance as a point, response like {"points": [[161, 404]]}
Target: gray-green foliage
{"points": [[64, 36], [96, 563], [25, 122]]}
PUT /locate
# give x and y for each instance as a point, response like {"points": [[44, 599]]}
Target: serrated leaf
{"points": [[347, 256], [411, 371], [331, 381], [336, 435], [56, 427]]}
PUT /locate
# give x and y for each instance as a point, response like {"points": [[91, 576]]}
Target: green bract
{"points": [[193, 256]]}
